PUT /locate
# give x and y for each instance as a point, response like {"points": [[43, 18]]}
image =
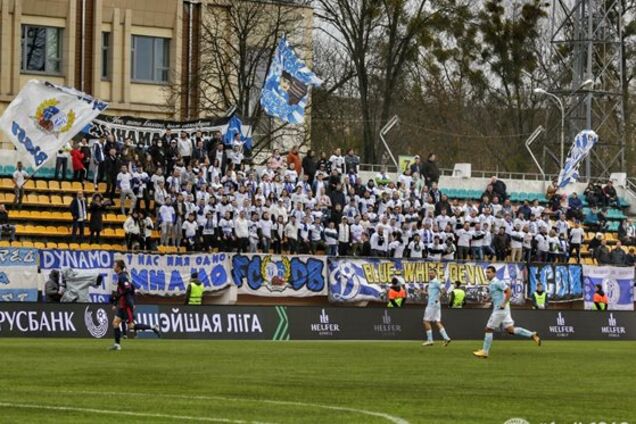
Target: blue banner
{"points": [[616, 282], [353, 280], [97, 262], [561, 282], [19, 278], [169, 275], [280, 275]]}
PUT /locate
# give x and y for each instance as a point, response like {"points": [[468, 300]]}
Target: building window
{"points": [[41, 49], [106, 55], [150, 59]]}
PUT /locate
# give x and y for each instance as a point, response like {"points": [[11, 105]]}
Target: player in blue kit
{"points": [[433, 311], [124, 305], [500, 316]]}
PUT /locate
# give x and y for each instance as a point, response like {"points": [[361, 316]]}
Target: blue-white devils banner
{"points": [[284, 94], [44, 117], [583, 143]]}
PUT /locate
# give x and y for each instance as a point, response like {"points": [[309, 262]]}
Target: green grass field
{"points": [[166, 381]]}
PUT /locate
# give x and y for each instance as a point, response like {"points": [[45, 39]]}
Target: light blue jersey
{"points": [[497, 290], [434, 292]]}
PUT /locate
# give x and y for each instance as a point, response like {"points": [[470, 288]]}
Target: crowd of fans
{"points": [[201, 193]]}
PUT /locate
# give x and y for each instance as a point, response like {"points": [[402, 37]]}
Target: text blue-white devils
{"points": [[500, 316], [433, 311]]}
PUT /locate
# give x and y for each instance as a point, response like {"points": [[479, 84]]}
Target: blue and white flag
{"points": [[583, 143], [617, 283], [44, 117], [284, 94], [234, 128]]}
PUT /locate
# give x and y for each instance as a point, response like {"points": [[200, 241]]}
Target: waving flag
{"points": [[284, 94], [44, 117], [233, 128], [583, 143]]}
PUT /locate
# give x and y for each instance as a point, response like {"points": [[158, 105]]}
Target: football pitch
{"points": [[167, 381]]}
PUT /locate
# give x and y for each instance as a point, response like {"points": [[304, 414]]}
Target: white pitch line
{"points": [[390, 418], [124, 413]]}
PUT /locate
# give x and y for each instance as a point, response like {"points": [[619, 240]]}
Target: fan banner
{"points": [[617, 283], [280, 275], [353, 280]]}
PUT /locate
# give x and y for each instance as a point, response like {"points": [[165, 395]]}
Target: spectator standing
{"points": [[52, 288], [184, 146], [337, 161], [293, 157], [99, 158], [351, 162], [5, 227], [618, 256], [96, 223], [602, 254], [77, 160], [627, 232], [19, 179], [430, 171], [111, 168], [600, 299], [576, 239], [539, 298], [86, 151], [132, 230], [310, 166], [80, 216], [61, 161], [125, 183], [610, 197]]}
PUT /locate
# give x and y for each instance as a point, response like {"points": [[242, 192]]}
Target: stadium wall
{"points": [[301, 323]]}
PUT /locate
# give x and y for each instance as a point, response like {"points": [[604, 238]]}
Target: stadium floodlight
{"points": [[560, 103]]}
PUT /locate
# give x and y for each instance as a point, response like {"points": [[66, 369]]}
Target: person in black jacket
{"points": [[430, 171], [310, 166], [96, 224], [80, 216], [112, 165]]}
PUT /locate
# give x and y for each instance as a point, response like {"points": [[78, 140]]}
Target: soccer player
{"points": [[500, 317], [124, 304], [433, 311]]}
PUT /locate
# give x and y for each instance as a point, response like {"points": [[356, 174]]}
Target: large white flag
{"points": [[44, 117]]}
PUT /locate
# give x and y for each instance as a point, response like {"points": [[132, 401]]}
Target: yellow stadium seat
{"points": [[5, 243], [89, 187], [29, 185], [31, 199], [41, 185], [62, 245], [108, 232], [45, 215], [16, 244], [76, 186], [61, 229], [56, 201], [39, 245], [54, 185], [74, 246], [1, 197], [44, 199], [85, 246], [39, 229], [119, 232], [66, 186], [51, 245], [101, 187], [6, 183], [9, 197], [27, 244], [20, 229], [51, 230]]}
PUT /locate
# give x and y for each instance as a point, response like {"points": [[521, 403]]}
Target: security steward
{"points": [[194, 292], [600, 299], [396, 294], [457, 298], [539, 298]]}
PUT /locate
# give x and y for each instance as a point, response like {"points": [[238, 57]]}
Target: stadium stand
{"points": [[310, 190]]}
